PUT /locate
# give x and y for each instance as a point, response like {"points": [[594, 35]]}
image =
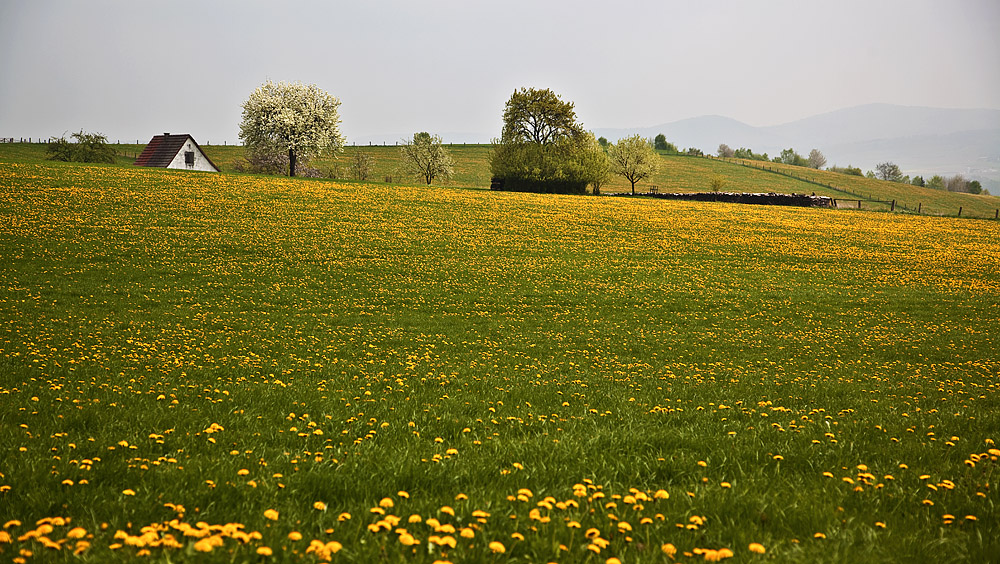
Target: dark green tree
{"points": [[660, 143], [542, 147]]}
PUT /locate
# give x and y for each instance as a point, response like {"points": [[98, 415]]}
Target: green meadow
{"points": [[677, 174], [206, 367]]}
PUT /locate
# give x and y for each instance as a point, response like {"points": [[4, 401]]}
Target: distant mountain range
{"points": [[922, 141]]}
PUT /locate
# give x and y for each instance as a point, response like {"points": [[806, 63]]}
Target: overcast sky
{"points": [[132, 69]]}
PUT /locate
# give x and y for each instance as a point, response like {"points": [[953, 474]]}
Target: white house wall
{"points": [[200, 162]]}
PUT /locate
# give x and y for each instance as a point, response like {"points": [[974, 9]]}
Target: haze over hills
{"points": [[922, 141]]}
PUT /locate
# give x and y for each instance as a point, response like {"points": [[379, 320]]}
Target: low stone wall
{"points": [[769, 199]]}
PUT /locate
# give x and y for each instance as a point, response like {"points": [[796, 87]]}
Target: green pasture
{"points": [[203, 367], [677, 174]]}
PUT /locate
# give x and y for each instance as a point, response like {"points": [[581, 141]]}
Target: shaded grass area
{"points": [[235, 344]]}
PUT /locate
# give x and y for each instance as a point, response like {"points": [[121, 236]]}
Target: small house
{"points": [[179, 150]]}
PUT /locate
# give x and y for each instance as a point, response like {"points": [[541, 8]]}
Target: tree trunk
{"points": [[633, 187], [291, 162]]}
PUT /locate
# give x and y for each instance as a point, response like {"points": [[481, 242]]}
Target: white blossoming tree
{"points": [[296, 117]]}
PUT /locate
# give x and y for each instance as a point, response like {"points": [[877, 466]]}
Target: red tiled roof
{"points": [[162, 149]]}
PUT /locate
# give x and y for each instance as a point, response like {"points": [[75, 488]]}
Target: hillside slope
{"points": [[677, 174]]}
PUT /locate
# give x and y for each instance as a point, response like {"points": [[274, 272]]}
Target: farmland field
{"points": [[232, 368]]}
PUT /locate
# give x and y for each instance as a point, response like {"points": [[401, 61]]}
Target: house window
{"points": [[189, 159]]}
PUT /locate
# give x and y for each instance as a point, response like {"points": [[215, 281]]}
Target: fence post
{"points": [[893, 208], [919, 205], [959, 211], [859, 204], [996, 214]]}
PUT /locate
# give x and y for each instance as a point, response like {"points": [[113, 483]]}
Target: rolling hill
{"points": [[922, 141], [677, 174]]}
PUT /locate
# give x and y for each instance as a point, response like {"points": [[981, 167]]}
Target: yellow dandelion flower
{"points": [[756, 547], [319, 506], [467, 533], [406, 539], [128, 492], [204, 545], [403, 494], [271, 514], [612, 560], [344, 516], [386, 503], [264, 551], [497, 547], [294, 536], [819, 536], [448, 510], [517, 536]]}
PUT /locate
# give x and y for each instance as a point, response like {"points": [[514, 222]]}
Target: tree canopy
{"points": [[426, 158], [816, 159], [543, 148], [888, 171], [294, 117], [538, 116]]}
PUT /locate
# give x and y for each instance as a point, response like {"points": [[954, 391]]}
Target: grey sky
{"points": [[131, 69]]}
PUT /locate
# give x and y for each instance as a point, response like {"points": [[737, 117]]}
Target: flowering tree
{"points": [[426, 158], [296, 117], [634, 158]]}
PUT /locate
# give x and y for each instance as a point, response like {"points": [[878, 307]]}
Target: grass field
{"points": [[909, 197], [677, 174], [231, 368]]}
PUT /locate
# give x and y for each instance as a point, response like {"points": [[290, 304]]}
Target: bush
{"points": [[744, 153], [362, 165], [87, 148], [718, 183], [851, 170], [566, 166]]}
